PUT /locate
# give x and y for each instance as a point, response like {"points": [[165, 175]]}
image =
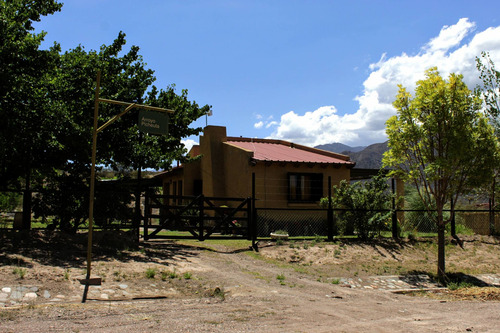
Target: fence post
{"points": [[201, 224], [394, 211], [146, 214], [453, 226], [249, 219], [491, 212], [253, 218], [329, 218]]}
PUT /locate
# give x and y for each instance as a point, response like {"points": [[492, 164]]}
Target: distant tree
{"points": [[442, 143], [366, 204]]}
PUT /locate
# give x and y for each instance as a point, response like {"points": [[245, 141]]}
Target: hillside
{"points": [[365, 157], [338, 147]]}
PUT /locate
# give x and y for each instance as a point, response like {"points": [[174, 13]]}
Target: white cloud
{"points": [[269, 122], [447, 51], [258, 125], [189, 143], [272, 123]]}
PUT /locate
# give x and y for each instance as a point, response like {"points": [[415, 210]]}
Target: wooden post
{"points": [[395, 234], [138, 213], [452, 212], [201, 224], [329, 219], [95, 131], [254, 217], [147, 199]]}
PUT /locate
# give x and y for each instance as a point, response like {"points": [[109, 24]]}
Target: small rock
{"points": [[123, 286], [30, 296], [104, 296], [7, 290], [46, 294], [16, 295]]}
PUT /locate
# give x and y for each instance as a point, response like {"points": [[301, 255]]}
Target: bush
{"points": [[366, 207]]}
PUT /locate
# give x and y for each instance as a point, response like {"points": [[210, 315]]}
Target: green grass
{"points": [[151, 273], [20, 272]]}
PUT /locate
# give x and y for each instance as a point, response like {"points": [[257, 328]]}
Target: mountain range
{"points": [[369, 157]]}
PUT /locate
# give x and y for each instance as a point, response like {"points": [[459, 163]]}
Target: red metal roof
{"points": [[282, 151]]}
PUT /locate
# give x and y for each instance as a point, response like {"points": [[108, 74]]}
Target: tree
{"points": [[120, 146], [490, 92], [28, 123], [46, 106], [366, 205], [442, 143]]}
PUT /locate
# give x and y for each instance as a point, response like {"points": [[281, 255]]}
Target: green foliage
{"points": [[29, 123], [490, 94], [365, 206], [9, 201], [169, 274], [151, 273], [45, 98], [419, 219], [442, 143], [281, 278], [490, 91], [20, 272]]}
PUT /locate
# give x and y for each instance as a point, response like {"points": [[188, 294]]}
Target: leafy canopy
{"points": [[440, 140], [46, 106]]}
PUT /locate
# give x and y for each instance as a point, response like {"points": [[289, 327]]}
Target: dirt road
{"points": [[236, 292]]}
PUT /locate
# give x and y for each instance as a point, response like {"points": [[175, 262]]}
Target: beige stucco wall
{"points": [[226, 171], [272, 182]]}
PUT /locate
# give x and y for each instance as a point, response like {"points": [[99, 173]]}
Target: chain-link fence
{"points": [[295, 222], [314, 222]]}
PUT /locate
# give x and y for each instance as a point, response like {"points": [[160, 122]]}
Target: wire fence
{"points": [[296, 222], [314, 222]]}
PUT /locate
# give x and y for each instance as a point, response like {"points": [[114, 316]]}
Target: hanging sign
{"points": [[153, 122]]}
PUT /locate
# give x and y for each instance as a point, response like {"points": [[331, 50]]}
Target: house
{"points": [[287, 175]]}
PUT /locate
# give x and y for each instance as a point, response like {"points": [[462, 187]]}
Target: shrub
{"points": [[365, 206], [151, 273]]}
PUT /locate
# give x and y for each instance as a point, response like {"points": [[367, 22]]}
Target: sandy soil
{"points": [[284, 288]]}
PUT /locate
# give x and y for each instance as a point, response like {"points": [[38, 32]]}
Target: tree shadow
{"points": [[423, 279], [59, 249], [393, 247]]}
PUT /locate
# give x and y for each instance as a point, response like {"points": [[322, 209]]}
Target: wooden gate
{"points": [[201, 216]]}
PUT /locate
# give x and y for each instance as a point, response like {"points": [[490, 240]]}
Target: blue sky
{"points": [[312, 72]]}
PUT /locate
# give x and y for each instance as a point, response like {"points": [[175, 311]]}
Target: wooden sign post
{"points": [[129, 106]]}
